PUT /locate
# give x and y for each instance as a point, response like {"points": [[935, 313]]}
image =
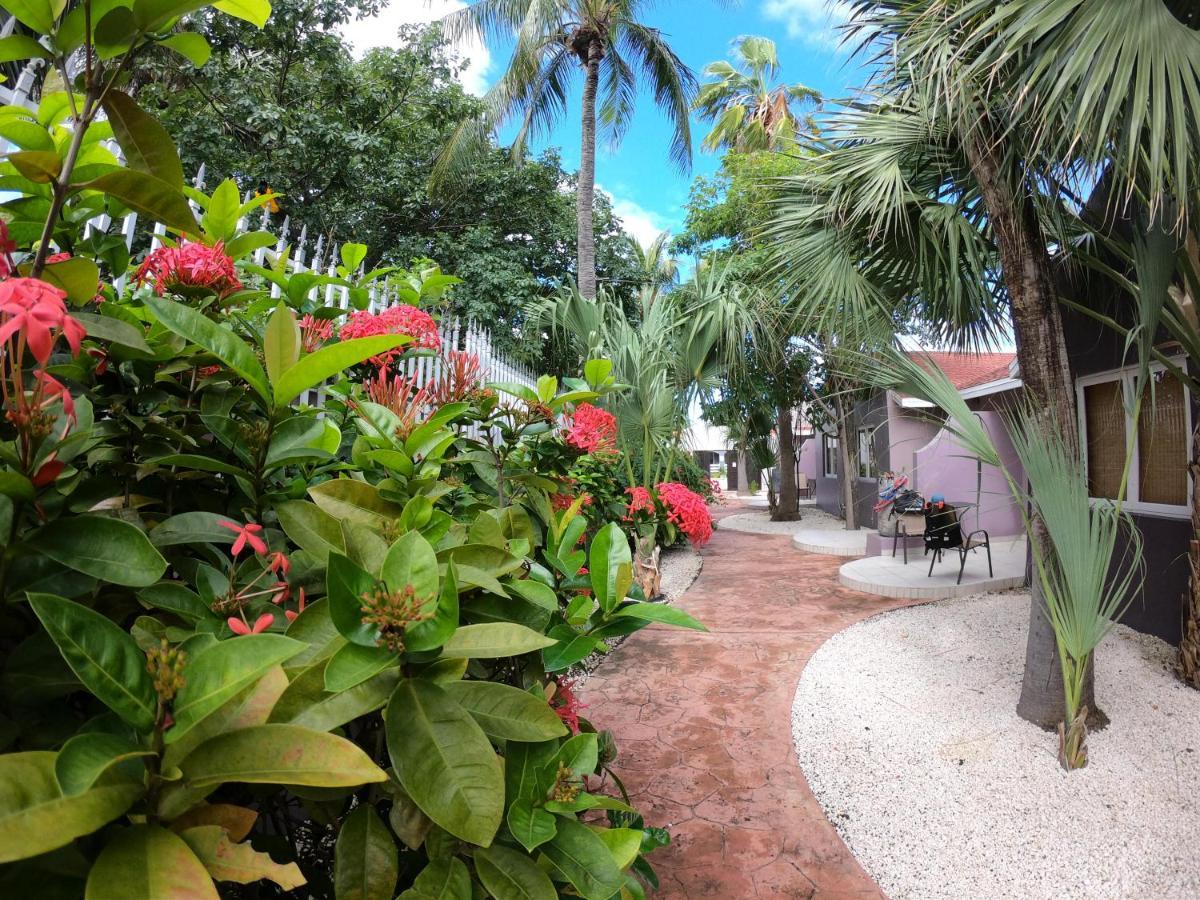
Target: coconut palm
{"points": [[982, 124], [747, 110], [659, 270], [554, 40]]}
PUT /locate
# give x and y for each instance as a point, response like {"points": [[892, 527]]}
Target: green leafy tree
{"points": [[616, 52]]}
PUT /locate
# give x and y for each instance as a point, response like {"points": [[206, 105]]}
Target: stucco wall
{"points": [[810, 456], [945, 467], [908, 431]]}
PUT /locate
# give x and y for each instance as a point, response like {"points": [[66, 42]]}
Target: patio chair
{"points": [[943, 531], [804, 487]]}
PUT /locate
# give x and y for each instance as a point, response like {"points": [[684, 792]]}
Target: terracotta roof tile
{"points": [[967, 370]]}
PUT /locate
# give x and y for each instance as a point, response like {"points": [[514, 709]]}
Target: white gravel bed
{"points": [[905, 726], [759, 522]]}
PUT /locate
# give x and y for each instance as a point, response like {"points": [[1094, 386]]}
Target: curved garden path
{"points": [[703, 724]]}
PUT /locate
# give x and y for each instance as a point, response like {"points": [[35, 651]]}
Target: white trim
{"points": [[1126, 375], [914, 402], [829, 456], [999, 386]]}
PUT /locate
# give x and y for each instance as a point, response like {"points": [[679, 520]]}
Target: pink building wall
{"points": [[943, 466], [810, 456], [908, 431]]}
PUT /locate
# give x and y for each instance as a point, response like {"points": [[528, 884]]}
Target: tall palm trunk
{"points": [[1045, 371], [586, 189], [788, 509], [847, 475], [1188, 662]]}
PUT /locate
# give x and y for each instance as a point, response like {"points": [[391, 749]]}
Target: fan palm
{"points": [[748, 112], [554, 40], [948, 182]]}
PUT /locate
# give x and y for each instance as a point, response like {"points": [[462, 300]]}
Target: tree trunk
{"points": [[847, 474], [1045, 371], [586, 188], [1188, 662], [789, 498]]}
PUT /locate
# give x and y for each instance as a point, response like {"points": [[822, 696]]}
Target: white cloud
{"points": [[380, 31], [813, 21], [644, 224]]}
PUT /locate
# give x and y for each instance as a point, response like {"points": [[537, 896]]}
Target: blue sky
{"points": [[647, 191]]}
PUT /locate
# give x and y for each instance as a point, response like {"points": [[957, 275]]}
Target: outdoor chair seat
{"points": [[943, 531]]}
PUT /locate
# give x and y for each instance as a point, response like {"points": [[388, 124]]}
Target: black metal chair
{"points": [[943, 531]]}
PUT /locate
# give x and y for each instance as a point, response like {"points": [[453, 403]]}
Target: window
{"points": [[864, 453], [831, 453], [1158, 480]]}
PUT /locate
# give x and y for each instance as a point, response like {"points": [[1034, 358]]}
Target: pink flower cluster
{"points": [[314, 333], [35, 310], [686, 510], [400, 319], [592, 430], [190, 268]]}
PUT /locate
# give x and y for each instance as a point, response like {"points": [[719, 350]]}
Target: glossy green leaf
{"points": [[113, 330], [39, 166], [39, 15], [174, 597], [103, 656], [434, 632], [355, 501], [346, 585], [146, 144], [411, 562], [354, 664], [570, 648], [444, 761], [623, 843], [279, 754], [22, 133], [610, 566], [256, 12], [148, 196], [36, 817], [506, 712], [492, 640], [110, 549], [510, 875], [332, 359], [226, 860], [216, 339], [218, 673], [281, 345], [85, 757], [147, 862], [315, 629], [525, 770], [307, 703], [78, 276], [531, 825], [311, 528], [222, 213], [580, 754], [659, 612], [190, 45], [366, 864], [584, 860], [535, 592], [442, 879], [585, 801], [192, 528]]}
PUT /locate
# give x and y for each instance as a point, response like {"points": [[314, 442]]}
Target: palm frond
{"points": [[670, 79]]}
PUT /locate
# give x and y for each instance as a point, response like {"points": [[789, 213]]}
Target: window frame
{"points": [[864, 454], [829, 456], [1126, 375]]}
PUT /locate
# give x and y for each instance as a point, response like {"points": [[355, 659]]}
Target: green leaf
{"points": [[444, 761], [39, 166], [584, 859], [365, 863], [190, 45], [442, 879], [411, 562], [570, 648], [353, 255], [78, 276], [279, 754], [176, 598], [16, 486], [102, 655], [113, 330], [580, 754], [531, 825], [222, 212], [510, 875], [492, 640], [535, 592], [216, 339], [330, 360], [39, 15], [85, 757], [506, 712], [22, 133], [191, 528], [346, 584], [216, 674], [281, 345], [239, 863], [311, 528], [525, 770], [36, 817], [611, 566], [434, 632], [147, 862], [658, 612], [356, 501], [597, 371], [199, 463], [148, 196], [307, 703], [623, 843], [256, 12], [146, 144], [547, 387], [585, 801], [354, 664]]}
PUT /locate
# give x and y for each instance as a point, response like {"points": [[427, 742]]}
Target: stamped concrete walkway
{"points": [[703, 725]]}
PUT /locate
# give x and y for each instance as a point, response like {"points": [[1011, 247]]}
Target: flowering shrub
{"points": [[191, 269], [686, 510], [592, 430], [399, 319]]}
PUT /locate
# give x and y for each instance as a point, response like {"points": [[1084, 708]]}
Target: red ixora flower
{"points": [[35, 310], [566, 705], [246, 534], [640, 500], [57, 258], [400, 319], [314, 332], [190, 268], [261, 624], [592, 430], [686, 510]]}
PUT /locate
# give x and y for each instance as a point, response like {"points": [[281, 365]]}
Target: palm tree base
{"points": [[1072, 741], [646, 569]]}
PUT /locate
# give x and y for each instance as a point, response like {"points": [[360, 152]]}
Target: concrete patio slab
{"points": [[832, 542], [887, 576]]}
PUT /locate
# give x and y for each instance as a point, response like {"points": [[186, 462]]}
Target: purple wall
{"points": [[945, 467], [908, 431], [810, 456]]}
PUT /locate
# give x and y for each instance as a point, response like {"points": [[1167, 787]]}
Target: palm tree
{"points": [[659, 270], [748, 112], [752, 114], [982, 123], [555, 39]]}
